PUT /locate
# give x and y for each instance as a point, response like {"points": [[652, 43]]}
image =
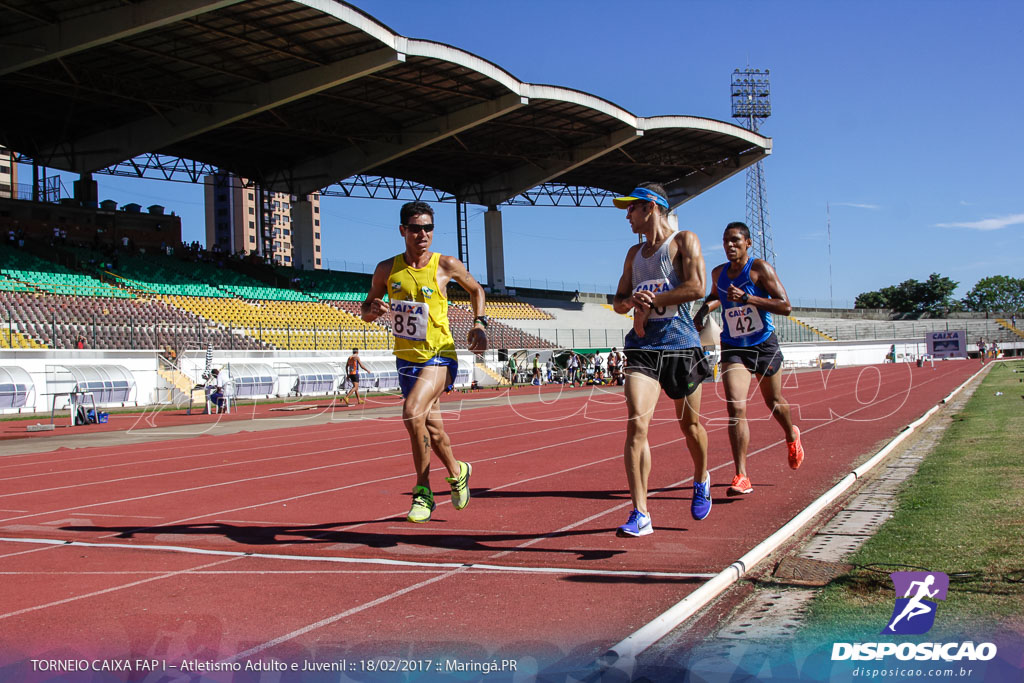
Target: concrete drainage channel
{"points": [[774, 613]]}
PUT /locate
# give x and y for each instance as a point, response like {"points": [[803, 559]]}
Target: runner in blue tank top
{"points": [[749, 291], [663, 351]]}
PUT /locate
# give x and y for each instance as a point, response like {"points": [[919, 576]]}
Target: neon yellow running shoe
{"points": [[460, 485], [422, 504]]}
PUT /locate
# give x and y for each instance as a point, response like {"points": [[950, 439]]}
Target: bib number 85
{"points": [[409, 320]]}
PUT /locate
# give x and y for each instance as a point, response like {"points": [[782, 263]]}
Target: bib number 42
{"points": [[743, 321]]}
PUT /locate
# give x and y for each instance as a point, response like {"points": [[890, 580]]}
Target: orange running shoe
{"points": [[740, 486], [796, 450]]}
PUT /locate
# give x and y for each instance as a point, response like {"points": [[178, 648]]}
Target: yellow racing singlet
{"points": [[419, 312]]}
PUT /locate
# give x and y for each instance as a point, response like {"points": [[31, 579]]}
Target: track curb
{"points": [[622, 656]]}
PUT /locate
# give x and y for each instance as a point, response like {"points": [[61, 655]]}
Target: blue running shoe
{"points": [[639, 524], [700, 506]]}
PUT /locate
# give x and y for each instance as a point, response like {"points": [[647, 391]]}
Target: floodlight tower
{"points": [[752, 104]]}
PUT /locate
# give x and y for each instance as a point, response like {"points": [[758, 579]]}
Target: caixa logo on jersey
{"points": [[917, 596]]}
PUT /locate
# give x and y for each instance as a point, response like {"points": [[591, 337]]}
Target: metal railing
{"points": [[63, 332]]}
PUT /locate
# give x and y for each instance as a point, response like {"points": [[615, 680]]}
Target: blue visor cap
{"points": [[640, 193]]}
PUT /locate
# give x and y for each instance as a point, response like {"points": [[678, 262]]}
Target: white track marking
{"points": [[438, 566], [112, 589], [338, 617]]}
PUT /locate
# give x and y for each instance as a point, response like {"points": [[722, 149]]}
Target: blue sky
{"points": [[902, 115]]}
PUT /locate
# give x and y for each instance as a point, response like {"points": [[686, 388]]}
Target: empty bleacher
{"points": [[287, 324], [499, 306], [24, 272], [56, 321], [328, 285], [843, 329]]}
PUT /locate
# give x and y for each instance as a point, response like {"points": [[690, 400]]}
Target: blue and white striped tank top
{"points": [[670, 327]]}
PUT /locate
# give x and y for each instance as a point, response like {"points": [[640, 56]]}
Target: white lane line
{"points": [[340, 571], [675, 485], [343, 615], [436, 566], [564, 443], [263, 439], [112, 589], [236, 449], [81, 507], [103, 514], [240, 443], [25, 552], [224, 465], [622, 656], [338, 617]]}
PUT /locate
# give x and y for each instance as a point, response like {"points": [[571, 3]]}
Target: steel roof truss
{"points": [[502, 187], [158, 132], [68, 37], [689, 186], [318, 173]]}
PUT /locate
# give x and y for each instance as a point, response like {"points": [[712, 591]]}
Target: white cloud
{"points": [[988, 223], [857, 206]]}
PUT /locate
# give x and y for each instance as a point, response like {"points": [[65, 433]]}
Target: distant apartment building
{"points": [[291, 225], [8, 174]]}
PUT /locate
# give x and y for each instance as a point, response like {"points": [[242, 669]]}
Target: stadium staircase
{"points": [[498, 379], [180, 384], [1006, 323], [813, 329], [611, 308]]}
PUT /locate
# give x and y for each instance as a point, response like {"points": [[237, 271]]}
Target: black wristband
{"points": [[744, 298], [482, 319]]}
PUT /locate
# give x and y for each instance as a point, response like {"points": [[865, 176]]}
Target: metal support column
{"points": [[462, 224]]}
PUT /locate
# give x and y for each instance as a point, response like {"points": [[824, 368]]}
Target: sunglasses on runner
{"points": [[429, 227]]}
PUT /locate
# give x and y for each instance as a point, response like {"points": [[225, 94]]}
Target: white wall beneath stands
{"points": [[869, 352], [852, 353], [151, 388], [39, 363], [149, 385], [193, 364]]}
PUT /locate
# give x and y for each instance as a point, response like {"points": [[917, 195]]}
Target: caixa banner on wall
{"points": [[947, 344]]}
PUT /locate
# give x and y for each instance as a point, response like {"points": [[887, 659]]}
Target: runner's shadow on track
{"points": [[589, 495], [255, 535], [613, 580]]}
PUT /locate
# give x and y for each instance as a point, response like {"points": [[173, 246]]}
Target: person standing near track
{"points": [[416, 282], [613, 366], [748, 290], [352, 366], [663, 351]]}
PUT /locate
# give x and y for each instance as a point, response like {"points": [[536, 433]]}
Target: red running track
{"points": [[291, 544]]}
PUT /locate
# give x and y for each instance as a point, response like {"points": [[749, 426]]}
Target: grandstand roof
{"points": [[299, 94]]}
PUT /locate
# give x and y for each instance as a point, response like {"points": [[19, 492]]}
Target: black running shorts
{"points": [[678, 371], [763, 359]]}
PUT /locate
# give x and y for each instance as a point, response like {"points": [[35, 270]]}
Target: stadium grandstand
{"points": [[125, 300], [79, 274], [159, 301]]}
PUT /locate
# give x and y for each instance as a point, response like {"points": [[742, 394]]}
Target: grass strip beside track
{"points": [[960, 514]]}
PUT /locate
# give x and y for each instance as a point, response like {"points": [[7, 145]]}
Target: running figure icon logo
{"points": [[916, 593]]}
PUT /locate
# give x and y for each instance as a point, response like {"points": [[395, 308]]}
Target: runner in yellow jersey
{"points": [[416, 282]]}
